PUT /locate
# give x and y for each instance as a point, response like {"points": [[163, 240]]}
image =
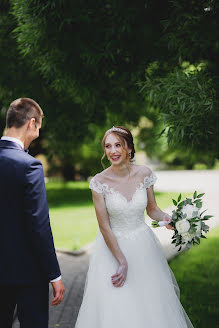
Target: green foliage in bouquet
{"points": [[197, 225]]}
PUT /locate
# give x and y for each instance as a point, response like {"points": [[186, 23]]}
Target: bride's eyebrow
{"points": [[109, 144]]}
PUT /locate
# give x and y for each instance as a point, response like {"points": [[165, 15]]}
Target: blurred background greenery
{"points": [[147, 65]]}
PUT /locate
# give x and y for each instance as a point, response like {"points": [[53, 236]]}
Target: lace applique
{"points": [[102, 188], [96, 186], [99, 187], [149, 181]]}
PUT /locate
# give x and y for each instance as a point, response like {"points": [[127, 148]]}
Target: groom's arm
{"points": [[37, 216]]}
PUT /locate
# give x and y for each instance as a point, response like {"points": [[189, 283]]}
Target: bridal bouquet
{"points": [[187, 221]]}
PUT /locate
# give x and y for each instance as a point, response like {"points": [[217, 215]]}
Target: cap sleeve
{"points": [[150, 180], [96, 185]]}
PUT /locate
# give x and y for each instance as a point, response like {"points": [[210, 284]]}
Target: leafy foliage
{"points": [[185, 100], [90, 54], [82, 62]]}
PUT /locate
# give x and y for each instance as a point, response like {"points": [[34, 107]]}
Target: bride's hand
{"points": [[119, 278], [168, 226], [167, 217]]}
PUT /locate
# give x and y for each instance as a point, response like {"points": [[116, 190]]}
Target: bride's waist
{"points": [[129, 231]]}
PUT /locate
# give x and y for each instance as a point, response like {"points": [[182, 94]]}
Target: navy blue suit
{"points": [[28, 259]]}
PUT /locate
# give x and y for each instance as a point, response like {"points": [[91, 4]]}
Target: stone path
{"points": [[74, 268]]}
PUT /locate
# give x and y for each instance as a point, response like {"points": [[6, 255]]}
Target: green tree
{"points": [[62, 129], [82, 63], [92, 54], [188, 107], [185, 86]]}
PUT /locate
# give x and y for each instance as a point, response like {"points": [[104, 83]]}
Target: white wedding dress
{"points": [[150, 295]]}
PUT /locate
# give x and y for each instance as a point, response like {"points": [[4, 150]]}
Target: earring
{"points": [[130, 154]]}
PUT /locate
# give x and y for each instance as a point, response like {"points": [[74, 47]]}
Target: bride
{"points": [[129, 283]]}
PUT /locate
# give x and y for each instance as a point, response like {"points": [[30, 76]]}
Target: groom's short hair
{"points": [[21, 111]]}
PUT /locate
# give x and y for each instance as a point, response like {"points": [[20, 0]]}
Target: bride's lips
{"points": [[115, 158]]}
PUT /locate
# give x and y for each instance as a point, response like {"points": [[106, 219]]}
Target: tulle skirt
{"points": [[148, 299]]}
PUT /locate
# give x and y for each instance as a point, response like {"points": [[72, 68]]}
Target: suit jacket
{"points": [[26, 242]]}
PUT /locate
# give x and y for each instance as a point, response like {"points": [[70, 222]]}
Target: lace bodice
{"points": [[126, 214]]}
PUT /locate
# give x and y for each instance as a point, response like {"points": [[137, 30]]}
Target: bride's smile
{"points": [[115, 151]]}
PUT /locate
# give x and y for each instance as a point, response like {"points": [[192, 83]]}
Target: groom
{"points": [[27, 260]]}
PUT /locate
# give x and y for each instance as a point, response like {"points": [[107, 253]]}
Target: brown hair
{"points": [[126, 139], [21, 111]]}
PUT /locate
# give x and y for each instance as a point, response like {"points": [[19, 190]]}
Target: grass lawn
{"points": [[72, 214], [197, 273]]}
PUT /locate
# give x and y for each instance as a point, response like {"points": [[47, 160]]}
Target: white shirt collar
{"points": [[19, 142]]}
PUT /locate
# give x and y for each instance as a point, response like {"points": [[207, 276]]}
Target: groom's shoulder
{"points": [[26, 158], [33, 168], [26, 161], [19, 157], [32, 161]]}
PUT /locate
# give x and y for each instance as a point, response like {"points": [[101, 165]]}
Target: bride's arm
{"points": [[153, 211], [103, 220]]}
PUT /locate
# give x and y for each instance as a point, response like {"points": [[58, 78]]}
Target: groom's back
{"points": [[28, 259], [18, 263], [12, 176]]}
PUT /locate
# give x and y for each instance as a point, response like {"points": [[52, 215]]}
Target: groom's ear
{"points": [[31, 123]]}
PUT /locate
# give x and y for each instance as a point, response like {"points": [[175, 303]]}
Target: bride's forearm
{"points": [[105, 228], [113, 246], [155, 213]]}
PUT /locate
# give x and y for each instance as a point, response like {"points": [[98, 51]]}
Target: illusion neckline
{"points": [[130, 200], [111, 190]]}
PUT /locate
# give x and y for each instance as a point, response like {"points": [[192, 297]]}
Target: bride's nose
{"points": [[113, 150]]}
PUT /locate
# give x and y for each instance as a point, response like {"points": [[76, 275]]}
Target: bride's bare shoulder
{"points": [[101, 175], [143, 170]]}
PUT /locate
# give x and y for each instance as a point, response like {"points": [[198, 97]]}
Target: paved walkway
{"points": [[74, 268]]}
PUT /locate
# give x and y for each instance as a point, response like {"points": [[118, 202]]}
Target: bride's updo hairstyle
{"points": [[126, 139]]}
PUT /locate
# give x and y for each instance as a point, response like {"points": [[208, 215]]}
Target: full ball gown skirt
{"points": [[150, 295]]}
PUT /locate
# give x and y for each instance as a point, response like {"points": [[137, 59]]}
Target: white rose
{"points": [[182, 226], [186, 237], [191, 211]]}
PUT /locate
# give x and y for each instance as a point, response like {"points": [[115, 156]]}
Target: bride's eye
{"points": [[107, 146], [118, 145]]}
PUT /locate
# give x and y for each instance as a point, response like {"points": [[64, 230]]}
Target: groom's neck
{"points": [[16, 133]]}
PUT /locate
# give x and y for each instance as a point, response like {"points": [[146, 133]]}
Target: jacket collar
{"points": [[10, 145]]}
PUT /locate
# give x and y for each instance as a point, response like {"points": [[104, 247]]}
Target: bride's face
{"points": [[114, 150]]}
